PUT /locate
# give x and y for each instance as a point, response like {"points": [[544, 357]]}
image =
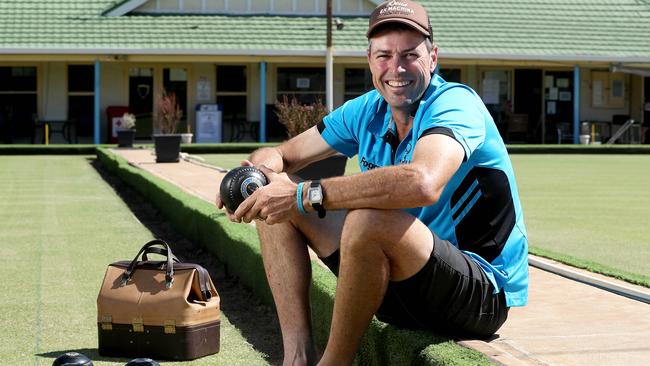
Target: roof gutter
{"points": [[317, 53], [630, 70]]}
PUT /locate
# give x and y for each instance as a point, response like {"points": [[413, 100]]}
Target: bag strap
{"points": [[204, 282], [161, 251], [169, 274]]}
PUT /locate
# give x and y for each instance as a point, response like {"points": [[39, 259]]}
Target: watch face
{"points": [[315, 195]]}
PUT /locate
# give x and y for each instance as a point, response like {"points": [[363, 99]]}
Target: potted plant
{"points": [[298, 117], [166, 141], [126, 130]]}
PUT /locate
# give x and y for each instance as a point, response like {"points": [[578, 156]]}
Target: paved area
{"points": [[565, 323]]}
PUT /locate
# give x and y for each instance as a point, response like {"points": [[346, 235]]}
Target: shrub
{"points": [[297, 117]]}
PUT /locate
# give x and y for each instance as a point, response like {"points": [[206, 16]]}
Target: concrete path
{"points": [[565, 323]]}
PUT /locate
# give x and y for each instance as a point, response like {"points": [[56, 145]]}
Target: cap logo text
{"points": [[396, 7]]}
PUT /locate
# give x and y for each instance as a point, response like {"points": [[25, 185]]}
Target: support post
{"points": [[263, 101], [96, 126], [329, 62], [576, 104]]}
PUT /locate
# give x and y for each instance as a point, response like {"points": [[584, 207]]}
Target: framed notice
{"points": [[565, 96]]}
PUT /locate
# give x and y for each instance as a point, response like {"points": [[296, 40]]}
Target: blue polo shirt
{"points": [[479, 210]]}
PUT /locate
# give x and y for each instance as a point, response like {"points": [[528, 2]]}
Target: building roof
{"points": [[565, 30]]}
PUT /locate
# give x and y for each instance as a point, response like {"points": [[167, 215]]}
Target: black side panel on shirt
{"points": [[320, 126], [487, 225], [443, 131], [439, 130]]}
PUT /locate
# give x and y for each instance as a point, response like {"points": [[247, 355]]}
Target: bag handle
{"points": [[161, 251], [203, 274], [169, 273]]}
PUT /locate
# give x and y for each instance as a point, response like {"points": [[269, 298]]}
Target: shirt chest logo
{"points": [[367, 164]]}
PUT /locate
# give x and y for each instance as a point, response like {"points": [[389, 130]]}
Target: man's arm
{"points": [[294, 154], [288, 157], [419, 183], [435, 160]]}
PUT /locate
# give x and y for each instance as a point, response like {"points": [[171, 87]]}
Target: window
{"points": [[232, 92], [357, 82], [18, 99], [81, 97], [307, 84], [495, 92], [451, 75]]}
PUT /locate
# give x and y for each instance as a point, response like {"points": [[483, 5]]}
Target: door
{"points": [[18, 98], [141, 94], [528, 102], [558, 101]]}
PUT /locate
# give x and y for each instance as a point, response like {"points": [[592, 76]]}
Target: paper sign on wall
{"points": [[203, 89]]}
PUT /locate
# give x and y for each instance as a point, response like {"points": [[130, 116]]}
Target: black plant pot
{"points": [[125, 138], [168, 148], [331, 167]]}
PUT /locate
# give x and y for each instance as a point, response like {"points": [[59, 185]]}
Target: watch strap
{"points": [[318, 206]]}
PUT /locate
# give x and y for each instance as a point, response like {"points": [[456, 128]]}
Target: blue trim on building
{"points": [[262, 101], [576, 104], [96, 128]]}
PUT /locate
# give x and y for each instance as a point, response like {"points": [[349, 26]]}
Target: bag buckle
{"points": [[107, 322], [170, 327], [138, 325]]}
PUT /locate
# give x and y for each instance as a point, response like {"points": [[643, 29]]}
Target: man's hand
{"points": [[273, 203]]}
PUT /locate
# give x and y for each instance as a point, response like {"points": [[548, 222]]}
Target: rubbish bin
{"points": [[209, 125], [114, 114]]}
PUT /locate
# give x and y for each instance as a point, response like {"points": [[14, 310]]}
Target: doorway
{"points": [[141, 93], [175, 81], [528, 104], [558, 107]]}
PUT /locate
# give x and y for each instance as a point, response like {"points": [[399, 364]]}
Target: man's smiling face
{"points": [[401, 66]]}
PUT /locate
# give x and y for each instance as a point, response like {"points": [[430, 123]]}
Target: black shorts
{"points": [[450, 294]]}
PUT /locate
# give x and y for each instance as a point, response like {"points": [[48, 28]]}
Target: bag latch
{"points": [[107, 322], [170, 327], [138, 325]]}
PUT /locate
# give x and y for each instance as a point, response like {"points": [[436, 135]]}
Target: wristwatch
{"points": [[315, 197]]}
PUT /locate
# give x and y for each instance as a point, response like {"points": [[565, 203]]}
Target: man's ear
{"points": [[434, 59]]}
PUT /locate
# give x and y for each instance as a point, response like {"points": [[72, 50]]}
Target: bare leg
{"points": [[376, 246], [288, 270]]}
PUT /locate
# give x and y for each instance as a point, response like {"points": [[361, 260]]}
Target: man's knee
{"points": [[362, 226]]}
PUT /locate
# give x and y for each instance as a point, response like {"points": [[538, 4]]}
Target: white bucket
{"points": [[584, 139]]}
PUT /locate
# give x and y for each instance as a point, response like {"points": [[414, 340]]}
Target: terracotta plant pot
{"points": [[168, 148]]}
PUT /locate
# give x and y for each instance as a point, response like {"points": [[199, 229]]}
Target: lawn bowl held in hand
{"points": [[72, 359], [240, 183]]}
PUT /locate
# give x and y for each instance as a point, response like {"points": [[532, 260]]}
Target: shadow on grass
{"points": [[91, 353], [256, 322]]}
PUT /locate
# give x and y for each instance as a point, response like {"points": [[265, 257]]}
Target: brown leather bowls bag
{"points": [[158, 309]]}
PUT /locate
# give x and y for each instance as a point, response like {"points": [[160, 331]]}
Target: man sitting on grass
{"points": [[431, 233]]}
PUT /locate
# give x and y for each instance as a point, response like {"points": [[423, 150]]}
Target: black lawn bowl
{"points": [[142, 362], [238, 184], [72, 359]]}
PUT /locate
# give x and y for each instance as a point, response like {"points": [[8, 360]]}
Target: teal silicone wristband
{"points": [[301, 208]]}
